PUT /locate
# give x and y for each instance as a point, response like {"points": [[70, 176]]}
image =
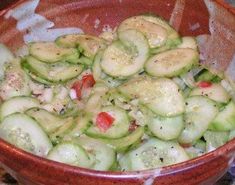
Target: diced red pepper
{"points": [[81, 85], [88, 81], [104, 121], [77, 86], [204, 84]]}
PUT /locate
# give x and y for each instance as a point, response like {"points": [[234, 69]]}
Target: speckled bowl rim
{"points": [[223, 151], [167, 170]]}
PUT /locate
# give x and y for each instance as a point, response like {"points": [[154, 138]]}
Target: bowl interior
{"points": [[94, 16]]}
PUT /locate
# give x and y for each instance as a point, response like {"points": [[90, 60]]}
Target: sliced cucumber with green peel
{"points": [[156, 153], [125, 162], [161, 35], [225, 120], [119, 127], [231, 135], [161, 95], [82, 124], [155, 34], [17, 104], [103, 154], [35, 77], [205, 75], [58, 72], [50, 52], [166, 128], [112, 81], [196, 150], [121, 144], [113, 97], [140, 114], [84, 61], [127, 56], [215, 92], [199, 113], [173, 37], [15, 82], [25, 133], [96, 68], [70, 153], [6, 56], [172, 63], [94, 103], [215, 139], [188, 42], [57, 136], [48, 121], [89, 45]]}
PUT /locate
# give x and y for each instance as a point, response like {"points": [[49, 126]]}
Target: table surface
{"points": [[227, 179]]}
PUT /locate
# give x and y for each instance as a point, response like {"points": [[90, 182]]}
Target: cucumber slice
{"points": [[85, 61], [94, 103], [100, 87], [200, 111], [196, 150], [6, 56], [155, 34], [161, 95], [188, 42], [103, 154], [17, 104], [156, 153], [89, 45], [125, 57], [140, 114], [125, 163], [70, 153], [215, 92], [25, 133], [231, 135], [112, 82], [96, 68], [172, 63], [34, 77], [166, 128], [206, 75], [121, 144], [170, 41], [62, 131], [119, 127], [173, 37], [58, 72], [115, 98], [15, 82], [225, 120], [48, 121], [82, 124], [215, 139], [49, 52]]}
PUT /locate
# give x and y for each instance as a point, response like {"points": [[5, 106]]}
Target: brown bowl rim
{"points": [[166, 170]]}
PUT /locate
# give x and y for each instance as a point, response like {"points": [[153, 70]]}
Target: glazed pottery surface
{"points": [[189, 17]]}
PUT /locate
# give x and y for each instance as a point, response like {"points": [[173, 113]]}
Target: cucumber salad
{"points": [[133, 99]]}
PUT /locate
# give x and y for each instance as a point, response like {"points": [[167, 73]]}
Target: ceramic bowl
{"points": [[46, 19]]}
